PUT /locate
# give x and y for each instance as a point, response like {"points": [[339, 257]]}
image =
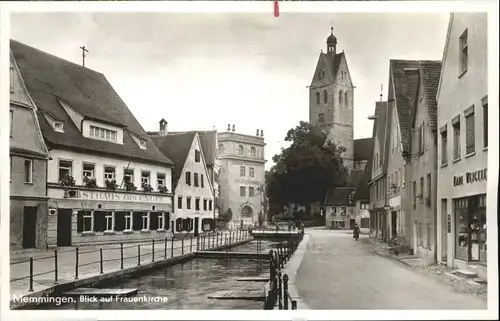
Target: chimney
{"points": [[261, 133], [228, 127], [163, 127], [233, 128], [257, 132]]}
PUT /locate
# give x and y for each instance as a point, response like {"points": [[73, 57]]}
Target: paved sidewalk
{"points": [[339, 273], [438, 272], [89, 259]]}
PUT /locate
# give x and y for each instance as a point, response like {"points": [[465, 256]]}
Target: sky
{"points": [[205, 71]]}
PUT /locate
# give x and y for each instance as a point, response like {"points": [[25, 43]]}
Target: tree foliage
{"points": [[227, 216], [305, 170]]}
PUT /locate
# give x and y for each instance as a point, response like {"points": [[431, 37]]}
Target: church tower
{"points": [[331, 99]]}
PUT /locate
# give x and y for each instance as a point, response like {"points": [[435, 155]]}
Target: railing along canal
{"points": [[278, 292], [75, 262]]}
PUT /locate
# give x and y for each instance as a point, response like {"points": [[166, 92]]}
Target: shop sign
{"points": [[470, 177], [449, 223], [123, 197]]}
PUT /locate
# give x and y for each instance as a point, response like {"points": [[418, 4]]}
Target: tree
{"points": [[305, 170], [260, 219], [227, 216]]}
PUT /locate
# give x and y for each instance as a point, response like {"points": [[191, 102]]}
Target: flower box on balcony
{"points": [[162, 189], [67, 181], [111, 184], [147, 188], [130, 186], [90, 182]]}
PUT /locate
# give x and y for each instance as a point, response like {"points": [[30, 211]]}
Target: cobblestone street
{"points": [[340, 273]]}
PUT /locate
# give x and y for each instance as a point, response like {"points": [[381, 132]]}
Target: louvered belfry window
{"points": [[470, 137]]}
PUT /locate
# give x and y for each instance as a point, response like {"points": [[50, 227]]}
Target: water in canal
{"points": [[187, 285]]}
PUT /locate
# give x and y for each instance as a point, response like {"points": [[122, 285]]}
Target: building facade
{"points": [[421, 168], [106, 180], [191, 181], [463, 145], [28, 169], [331, 99], [242, 175], [403, 83], [209, 145], [378, 171], [339, 208]]}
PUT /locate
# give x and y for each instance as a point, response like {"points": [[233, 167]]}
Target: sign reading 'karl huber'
{"points": [[470, 177], [123, 197]]}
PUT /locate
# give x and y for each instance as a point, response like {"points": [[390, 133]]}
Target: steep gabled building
{"points": [[422, 162], [28, 168], [191, 183], [106, 179], [209, 144], [378, 171], [463, 124]]}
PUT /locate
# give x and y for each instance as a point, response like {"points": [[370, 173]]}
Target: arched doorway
{"points": [[246, 212]]}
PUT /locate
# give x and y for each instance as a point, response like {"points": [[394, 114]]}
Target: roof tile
{"points": [[49, 78]]}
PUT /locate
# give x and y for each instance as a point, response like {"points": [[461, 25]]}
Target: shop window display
{"points": [[470, 230]]}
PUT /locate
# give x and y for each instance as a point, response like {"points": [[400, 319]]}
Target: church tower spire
{"points": [[331, 43]]}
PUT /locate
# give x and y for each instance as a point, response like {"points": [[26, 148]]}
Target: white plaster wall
{"points": [[101, 161], [457, 93], [192, 191]]}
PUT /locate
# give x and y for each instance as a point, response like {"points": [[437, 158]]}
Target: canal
{"points": [[187, 285]]}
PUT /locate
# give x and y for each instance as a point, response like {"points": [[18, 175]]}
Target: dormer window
{"points": [[142, 143], [59, 126], [103, 133]]}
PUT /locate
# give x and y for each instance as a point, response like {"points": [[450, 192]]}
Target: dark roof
{"points": [[379, 127], [363, 149], [405, 84], [380, 121], [49, 79], [338, 196], [208, 140], [354, 177], [332, 64], [362, 190], [430, 72], [209, 145], [176, 147]]}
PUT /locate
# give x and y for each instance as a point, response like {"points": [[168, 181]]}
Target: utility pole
{"points": [[84, 50]]}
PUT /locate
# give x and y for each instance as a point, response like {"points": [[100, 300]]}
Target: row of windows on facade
{"points": [[251, 171], [396, 181], [470, 140], [98, 221], [207, 204], [198, 179], [342, 96], [241, 150], [470, 135], [251, 191], [88, 172]]}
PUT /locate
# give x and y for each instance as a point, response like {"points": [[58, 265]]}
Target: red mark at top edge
{"points": [[276, 9]]}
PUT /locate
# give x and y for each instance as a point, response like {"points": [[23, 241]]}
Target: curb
{"points": [[292, 269]]}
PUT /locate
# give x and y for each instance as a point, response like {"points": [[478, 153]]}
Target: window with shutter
{"points": [[485, 124], [470, 139], [456, 140], [444, 147]]}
